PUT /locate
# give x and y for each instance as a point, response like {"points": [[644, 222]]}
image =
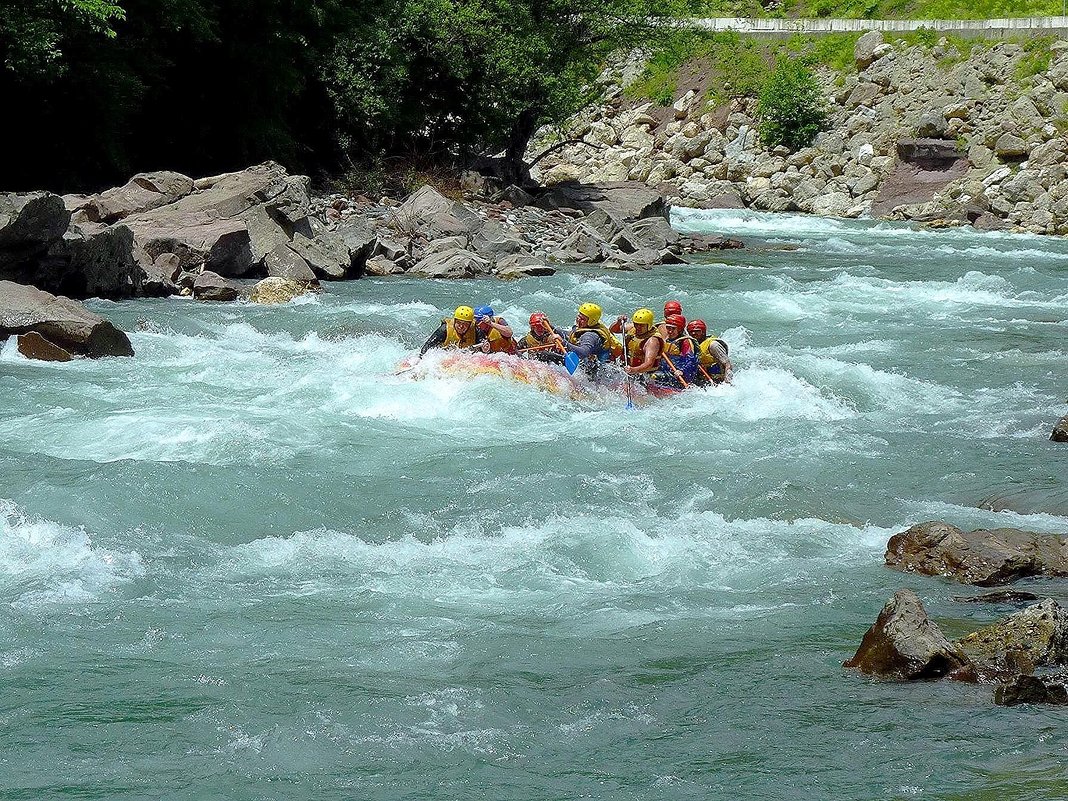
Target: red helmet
{"points": [[539, 320], [697, 329], [677, 320], [672, 307]]}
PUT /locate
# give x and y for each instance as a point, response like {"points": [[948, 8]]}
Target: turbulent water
{"points": [[252, 562]]}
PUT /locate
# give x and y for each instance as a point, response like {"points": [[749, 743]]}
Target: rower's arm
{"points": [[436, 340], [589, 343], [719, 353], [652, 352]]}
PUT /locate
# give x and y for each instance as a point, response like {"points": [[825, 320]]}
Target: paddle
{"points": [[571, 359], [628, 382]]}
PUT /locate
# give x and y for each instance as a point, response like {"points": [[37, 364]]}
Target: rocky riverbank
{"points": [[949, 134]]}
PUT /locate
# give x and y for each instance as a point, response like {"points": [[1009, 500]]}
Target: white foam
{"points": [[44, 563]]}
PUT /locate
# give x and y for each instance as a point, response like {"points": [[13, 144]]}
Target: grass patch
{"points": [[920, 9], [1036, 58]]}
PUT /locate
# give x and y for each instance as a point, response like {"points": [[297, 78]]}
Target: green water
{"points": [[253, 563]]}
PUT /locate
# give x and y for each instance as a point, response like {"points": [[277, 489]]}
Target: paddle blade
{"points": [[571, 362]]}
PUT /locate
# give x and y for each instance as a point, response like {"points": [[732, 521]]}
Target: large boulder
{"points": [[29, 224], [1031, 638], [428, 213], [273, 290], [866, 49], [983, 557], [212, 286], [452, 264], [143, 192], [904, 643], [626, 200], [61, 321], [220, 245], [92, 260]]}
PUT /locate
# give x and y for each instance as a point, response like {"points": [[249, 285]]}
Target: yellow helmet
{"points": [[591, 311], [464, 313], [643, 317]]}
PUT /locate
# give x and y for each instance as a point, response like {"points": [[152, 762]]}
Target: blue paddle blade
{"points": [[571, 362]]}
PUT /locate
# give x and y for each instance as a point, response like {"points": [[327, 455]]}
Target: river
{"points": [[253, 563]]}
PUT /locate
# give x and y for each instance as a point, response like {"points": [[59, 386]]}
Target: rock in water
{"points": [[277, 290], [904, 643], [1033, 637], [61, 321], [983, 557], [35, 346], [1033, 690], [1060, 431], [212, 286]]}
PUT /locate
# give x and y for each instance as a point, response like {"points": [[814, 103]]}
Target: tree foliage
{"points": [[791, 107], [100, 90]]}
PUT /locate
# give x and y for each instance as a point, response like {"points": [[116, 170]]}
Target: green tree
{"points": [[791, 107], [32, 32]]}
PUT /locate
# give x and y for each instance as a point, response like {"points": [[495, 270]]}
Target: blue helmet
{"points": [[481, 312]]}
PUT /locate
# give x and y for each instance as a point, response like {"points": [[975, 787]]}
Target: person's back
{"points": [[713, 355]]}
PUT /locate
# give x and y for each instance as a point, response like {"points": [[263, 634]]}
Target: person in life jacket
{"points": [[493, 333], [644, 343], [544, 342], [457, 331], [591, 340], [712, 355], [680, 353]]}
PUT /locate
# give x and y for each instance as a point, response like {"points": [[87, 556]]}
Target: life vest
{"points": [[499, 343], [531, 341], [610, 347], [708, 361], [636, 346], [674, 347], [453, 339]]}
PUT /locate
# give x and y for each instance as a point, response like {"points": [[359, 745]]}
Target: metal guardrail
{"points": [[770, 26]]}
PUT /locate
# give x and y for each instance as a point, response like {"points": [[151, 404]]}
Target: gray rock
{"points": [[222, 245], [863, 94], [431, 214], [29, 224], [904, 643], [1010, 146], [929, 153], [520, 265], [212, 286], [452, 264], [515, 195], [144, 192], [864, 51], [932, 125], [92, 260], [654, 233], [284, 262], [325, 252], [161, 275], [984, 558], [59, 320], [380, 265], [628, 200], [361, 238]]}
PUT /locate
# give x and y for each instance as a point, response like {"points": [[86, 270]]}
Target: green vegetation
{"points": [[1037, 57], [97, 89], [918, 9], [791, 110]]}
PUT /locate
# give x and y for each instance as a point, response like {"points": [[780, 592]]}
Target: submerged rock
{"points": [[63, 322], [983, 557], [1027, 689], [212, 286], [904, 643], [1000, 597]]}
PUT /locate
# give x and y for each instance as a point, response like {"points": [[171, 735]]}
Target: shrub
{"points": [[791, 110]]}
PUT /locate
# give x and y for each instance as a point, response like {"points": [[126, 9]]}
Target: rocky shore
{"points": [[212, 238], [946, 135]]}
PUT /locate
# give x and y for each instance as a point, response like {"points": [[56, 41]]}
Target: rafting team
{"points": [[669, 353]]}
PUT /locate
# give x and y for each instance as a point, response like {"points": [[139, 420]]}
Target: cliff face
{"points": [[935, 134]]}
